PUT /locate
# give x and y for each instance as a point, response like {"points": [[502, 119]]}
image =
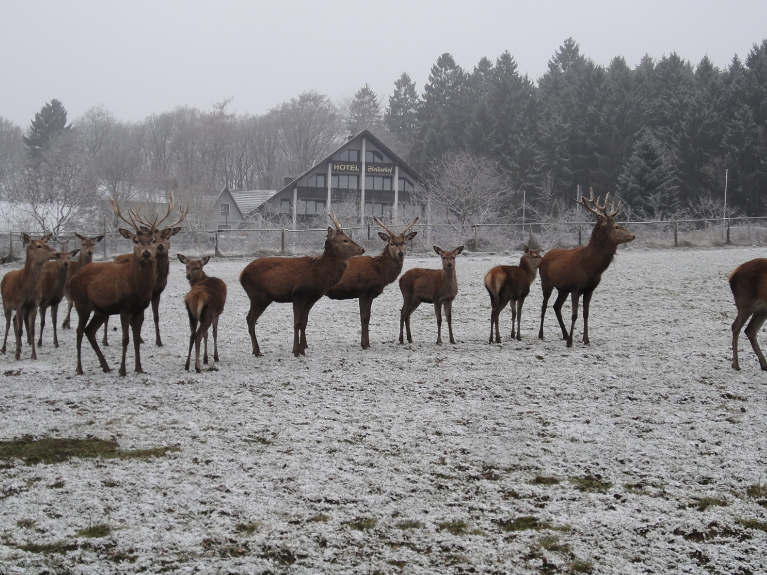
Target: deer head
{"points": [[170, 230], [448, 258], [341, 244], [396, 244], [87, 246], [606, 224], [39, 250], [194, 271]]}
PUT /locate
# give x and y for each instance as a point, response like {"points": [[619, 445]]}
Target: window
{"points": [[316, 181], [377, 183], [373, 157], [349, 156], [224, 209], [344, 182], [286, 207], [405, 185], [224, 226], [311, 207], [377, 210]]}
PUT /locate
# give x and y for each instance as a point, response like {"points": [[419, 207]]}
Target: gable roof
{"points": [[247, 200]]}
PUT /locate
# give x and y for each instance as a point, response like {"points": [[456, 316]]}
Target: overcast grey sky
{"points": [[140, 57]]}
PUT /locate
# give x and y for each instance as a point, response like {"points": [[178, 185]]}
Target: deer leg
{"points": [[31, 317], [90, 332], [449, 318], [42, 309], [737, 325], [519, 303], [65, 324], [205, 347], [561, 297], [513, 308], [544, 305], [8, 316], [105, 341], [574, 298], [202, 333], [256, 309], [752, 331], [215, 338], [586, 302], [303, 345], [17, 331], [366, 303], [156, 316], [438, 313], [136, 321], [125, 318], [297, 309], [413, 306], [82, 320], [54, 318], [192, 329]]}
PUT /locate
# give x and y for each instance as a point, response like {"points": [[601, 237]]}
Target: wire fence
{"points": [[475, 238]]}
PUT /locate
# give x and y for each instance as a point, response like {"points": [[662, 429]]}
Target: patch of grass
{"points": [[281, 555], [545, 480], [398, 564], [228, 548], [319, 518], [362, 523], [635, 487], [523, 523], [99, 530], [591, 484], [580, 566], [409, 524], [757, 490], [454, 526], [551, 543], [706, 502], [247, 528], [753, 524], [25, 523], [49, 548], [57, 450]]}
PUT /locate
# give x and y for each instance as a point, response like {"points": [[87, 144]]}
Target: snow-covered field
{"points": [[632, 455]]}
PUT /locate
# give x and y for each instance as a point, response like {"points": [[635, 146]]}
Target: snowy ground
{"points": [[408, 459]]}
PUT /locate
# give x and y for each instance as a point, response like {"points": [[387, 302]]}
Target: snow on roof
{"points": [[249, 200]]}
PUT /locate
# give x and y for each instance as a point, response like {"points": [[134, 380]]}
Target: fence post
{"points": [[218, 253], [368, 232], [282, 242], [105, 237], [580, 235], [10, 246], [475, 238], [728, 232], [676, 234]]}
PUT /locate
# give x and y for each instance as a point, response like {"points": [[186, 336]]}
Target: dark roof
{"points": [[378, 143]]}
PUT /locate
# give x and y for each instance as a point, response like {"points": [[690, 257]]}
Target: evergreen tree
{"points": [[49, 123], [401, 115], [481, 136], [364, 111], [647, 181]]}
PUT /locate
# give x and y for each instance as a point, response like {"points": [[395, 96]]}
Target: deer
{"points": [[300, 280], [578, 271], [52, 282], [21, 292], [87, 245], [109, 288], [439, 287], [204, 304], [366, 277], [749, 288], [163, 270], [511, 284]]}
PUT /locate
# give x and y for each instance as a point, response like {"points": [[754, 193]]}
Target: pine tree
{"points": [[49, 123], [364, 111], [401, 115]]}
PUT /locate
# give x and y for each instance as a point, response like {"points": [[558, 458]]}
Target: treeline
{"points": [[660, 135]]}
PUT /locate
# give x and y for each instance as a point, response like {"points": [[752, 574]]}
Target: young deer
{"points": [[52, 282], [87, 245], [366, 277], [511, 284], [578, 271], [204, 304], [439, 287], [749, 287], [21, 292], [302, 281], [109, 288]]}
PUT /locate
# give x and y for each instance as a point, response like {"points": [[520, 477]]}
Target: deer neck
{"points": [[193, 282], [531, 272], [33, 271], [390, 266], [601, 250], [331, 266], [143, 274], [449, 280]]}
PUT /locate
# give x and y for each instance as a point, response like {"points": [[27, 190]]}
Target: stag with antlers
{"points": [[366, 277], [578, 271], [163, 266], [110, 288], [302, 281]]}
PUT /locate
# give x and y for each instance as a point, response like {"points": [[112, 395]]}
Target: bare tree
{"points": [[310, 127]]}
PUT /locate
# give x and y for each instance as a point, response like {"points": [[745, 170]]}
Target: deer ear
{"points": [[458, 250], [78, 236], [174, 231], [46, 237], [383, 236], [331, 231], [205, 260], [97, 238], [410, 236], [27, 239], [73, 253], [182, 258], [438, 250], [127, 234]]}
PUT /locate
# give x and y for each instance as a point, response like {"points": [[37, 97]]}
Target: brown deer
{"points": [[749, 287], [204, 304], [366, 277], [439, 287], [302, 281], [163, 270], [21, 292], [87, 245], [109, 288], [578, 271], [511, 284], [52, 282]]}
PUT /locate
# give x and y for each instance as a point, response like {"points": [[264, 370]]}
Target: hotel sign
{"points": [[384, 169], [347, 167], [370, 169]]}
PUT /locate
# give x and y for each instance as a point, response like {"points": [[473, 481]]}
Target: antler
{"points": [[410, 225], [155, 224], [332, 216], [118, 213], [595, 208], [391, 233]]}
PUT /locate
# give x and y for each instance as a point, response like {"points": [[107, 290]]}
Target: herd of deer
{"points": [[127, 285]]}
